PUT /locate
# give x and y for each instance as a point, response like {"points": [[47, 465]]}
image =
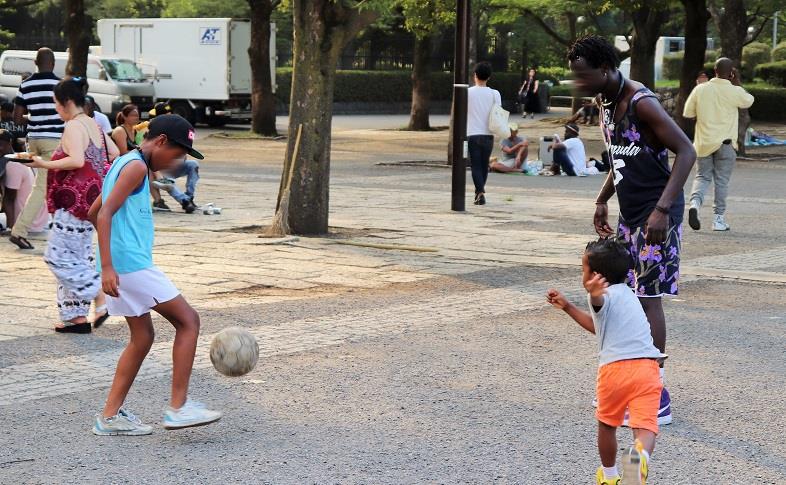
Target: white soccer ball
{"points": [[234, 351]]}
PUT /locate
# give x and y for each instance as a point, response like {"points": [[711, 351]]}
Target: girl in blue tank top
{"points": [[134, 286]]}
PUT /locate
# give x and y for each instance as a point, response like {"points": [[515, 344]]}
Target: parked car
{"points": [[113, 81]]}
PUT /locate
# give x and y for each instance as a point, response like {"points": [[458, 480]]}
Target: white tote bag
{"points": [[498, 121]]}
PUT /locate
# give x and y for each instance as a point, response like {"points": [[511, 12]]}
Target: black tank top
{"points": [[641, 172]]}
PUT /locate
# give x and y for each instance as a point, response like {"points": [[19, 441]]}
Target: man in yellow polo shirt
{"points": [[715, 105]]}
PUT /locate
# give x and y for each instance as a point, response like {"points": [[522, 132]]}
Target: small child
{"points": [[628, 376], [134, 286]]}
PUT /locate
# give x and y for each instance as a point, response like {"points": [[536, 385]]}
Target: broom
{"points": [[279, 227]]}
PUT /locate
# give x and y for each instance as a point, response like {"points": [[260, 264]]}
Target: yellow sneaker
{"points": [[605, 481], [634, 465]]}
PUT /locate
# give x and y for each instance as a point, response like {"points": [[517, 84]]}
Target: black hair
{"points": [[124, 112], [596, 51], [483, 71], [609, 258], [7, 106], [71, 89], [6, 136]]}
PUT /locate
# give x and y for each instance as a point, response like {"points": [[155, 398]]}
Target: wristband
{"points": [[662, 210], [600, 203]]}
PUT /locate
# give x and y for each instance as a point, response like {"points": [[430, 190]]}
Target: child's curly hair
{"points": [[609, 258]]}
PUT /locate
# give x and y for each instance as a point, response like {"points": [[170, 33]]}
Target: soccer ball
{"points": [[234, 351]]}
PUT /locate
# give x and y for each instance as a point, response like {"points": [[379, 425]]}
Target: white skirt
{"points": [[140, 291]]}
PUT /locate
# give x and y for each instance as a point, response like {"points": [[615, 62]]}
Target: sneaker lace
{"points": [[129, 416]]}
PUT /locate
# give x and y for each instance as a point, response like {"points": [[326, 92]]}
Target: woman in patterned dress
{"points": [[75, 177]]}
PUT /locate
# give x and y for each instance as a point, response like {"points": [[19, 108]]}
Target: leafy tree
{"points": [[424, 18], [205, 8], [99, 9], [322, 28]]}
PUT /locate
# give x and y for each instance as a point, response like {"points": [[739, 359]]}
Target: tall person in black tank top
{"points": [[638, 134]]}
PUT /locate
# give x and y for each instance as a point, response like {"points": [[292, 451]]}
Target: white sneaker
{"points": [[124, 423], [192, 413], [720, 223]]}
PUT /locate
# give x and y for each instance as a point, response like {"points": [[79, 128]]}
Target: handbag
{"points": [[498, 121]]}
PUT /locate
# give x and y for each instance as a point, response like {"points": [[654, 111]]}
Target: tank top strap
{"points": [[638, 96]]}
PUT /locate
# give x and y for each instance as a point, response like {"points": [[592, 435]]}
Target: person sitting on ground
{"points": [[101, 118], [514, 152], [189, 169], [569, 155], [587, 114], [628, 379], [17, 131], [124, 135], [17, 185]]}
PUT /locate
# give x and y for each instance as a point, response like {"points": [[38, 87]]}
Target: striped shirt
{"points": [[36, 94]]}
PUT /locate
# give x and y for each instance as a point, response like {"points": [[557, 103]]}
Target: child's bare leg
{"points": [[130, 361], [607, 444], [646, 437], [186, 322]]}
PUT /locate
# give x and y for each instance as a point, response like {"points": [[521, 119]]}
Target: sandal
{"points": [[103, 318], [22, 242], [69, 327]]}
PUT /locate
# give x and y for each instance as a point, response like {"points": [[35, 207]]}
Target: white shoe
{"points": [[720, 223], [124, 423], [191, 414]]}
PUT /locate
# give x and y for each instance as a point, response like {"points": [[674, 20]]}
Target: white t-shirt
{"points": [[480, 100], [574, 148], [622, 328], [103, 121]]}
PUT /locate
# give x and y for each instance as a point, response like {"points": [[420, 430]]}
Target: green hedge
{"points": [[769, 104], [756, 53], [672, 64], [773, 73], [779, 52], [396, 86]]}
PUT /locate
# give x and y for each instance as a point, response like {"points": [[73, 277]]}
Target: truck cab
{"points": [[112, 81]]}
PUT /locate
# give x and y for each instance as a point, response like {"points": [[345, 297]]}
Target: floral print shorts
{"points": [[656, 267]]}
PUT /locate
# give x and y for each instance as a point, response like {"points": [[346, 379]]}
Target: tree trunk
{"points": [[322, 28], [733, 33], [733, 30], [474, 33], [696, 18], [647, 23], [524, 58], [263, 103], [421, 85], [77, 30]]}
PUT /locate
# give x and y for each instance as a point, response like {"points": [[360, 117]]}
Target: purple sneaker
{"points": [[664, 412]]}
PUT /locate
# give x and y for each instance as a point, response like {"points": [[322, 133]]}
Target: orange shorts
{"points": [[633, 385]]}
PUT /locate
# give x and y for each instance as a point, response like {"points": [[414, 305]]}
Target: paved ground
{"points": [[413, 345]]}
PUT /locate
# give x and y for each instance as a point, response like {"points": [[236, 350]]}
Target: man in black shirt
{"points": [[639, 134]]}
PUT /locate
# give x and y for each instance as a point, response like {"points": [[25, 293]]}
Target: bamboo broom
{"points": [[279, 227]]}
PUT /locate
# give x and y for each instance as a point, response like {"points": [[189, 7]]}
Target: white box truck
{"points": [[199, 65], [113, 81]]}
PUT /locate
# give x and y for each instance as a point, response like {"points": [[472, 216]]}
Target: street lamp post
{"points": [[460, 87]]}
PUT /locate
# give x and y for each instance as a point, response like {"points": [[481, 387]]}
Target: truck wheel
{"points": [[184, 109], [216, 121]]}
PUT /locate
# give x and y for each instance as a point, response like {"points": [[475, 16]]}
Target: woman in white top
{"points": [[480, 100]]}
